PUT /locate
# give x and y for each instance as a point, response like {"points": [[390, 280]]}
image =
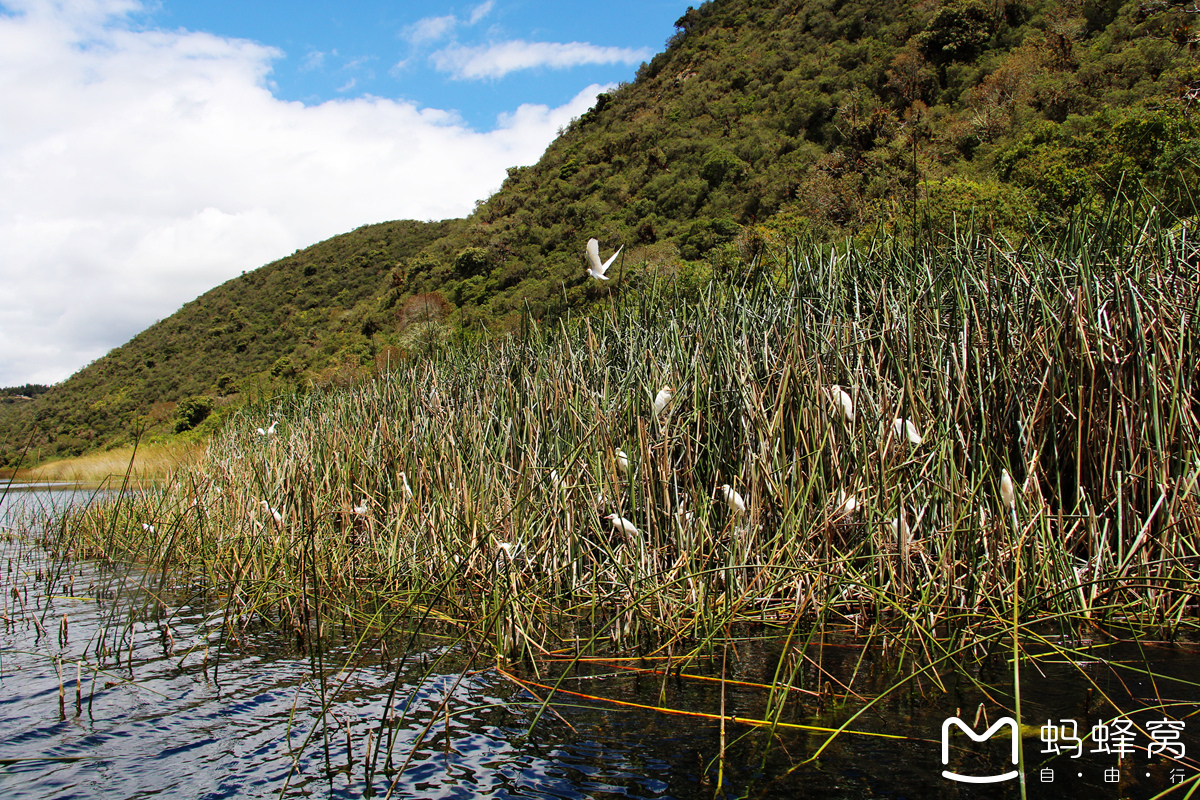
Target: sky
{"points": [[151, 150]]}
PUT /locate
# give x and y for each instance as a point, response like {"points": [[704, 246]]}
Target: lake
{"points": [[118, 681]]}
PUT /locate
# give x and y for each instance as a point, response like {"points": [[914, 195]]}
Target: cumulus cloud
{"points": [[142, 167], [498, 59]]}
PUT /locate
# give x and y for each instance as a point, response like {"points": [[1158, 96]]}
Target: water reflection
{"points": [[114, 684]]}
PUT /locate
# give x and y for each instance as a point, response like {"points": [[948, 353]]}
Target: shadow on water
{"points": [[116, 683]]}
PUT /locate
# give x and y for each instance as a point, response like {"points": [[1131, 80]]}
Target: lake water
{"points": [[116, 684]]}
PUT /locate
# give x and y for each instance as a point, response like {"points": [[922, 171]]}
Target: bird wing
{"points": [[604, 268], [593, 254]]}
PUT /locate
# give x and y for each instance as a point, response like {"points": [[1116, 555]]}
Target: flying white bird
{"points": [[842, 402], [622, 525], [662, 398], [735, 501], [905, 427], [1006, 489], [597, 270]]}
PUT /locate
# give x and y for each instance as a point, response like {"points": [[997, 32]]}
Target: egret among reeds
{"points": [[842, 403], [662, 398], [622, 462], [268, 431], [408, 492], [905, 427], [268, 509], [736, 503], [622, 525], [1007, 495], [596, 269]]}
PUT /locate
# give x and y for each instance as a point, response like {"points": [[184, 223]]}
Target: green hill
{"points": [[813, 118]]}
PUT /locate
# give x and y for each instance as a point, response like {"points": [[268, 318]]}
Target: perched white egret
{"points": [[662, 398], [408, 492], [362, 509], [905, 427], [555, 480], [622, 525], [597, 270], [275, 515], [1006, 489], [736, 503], [846, 504], [622, 462], [269, 431], [842, 402]]}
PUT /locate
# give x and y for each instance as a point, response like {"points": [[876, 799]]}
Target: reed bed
{"points": [[476, 486]]}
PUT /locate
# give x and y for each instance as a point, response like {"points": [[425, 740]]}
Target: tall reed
{"points": [[1073, 364]]}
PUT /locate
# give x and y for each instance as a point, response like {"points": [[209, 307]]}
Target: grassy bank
{"points": [[146, 463], [478, 486]]}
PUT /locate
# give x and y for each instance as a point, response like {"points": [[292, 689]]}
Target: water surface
{"points": [[115, 682]]}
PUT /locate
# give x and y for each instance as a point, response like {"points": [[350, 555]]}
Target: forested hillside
{"points": [[760, 120]]}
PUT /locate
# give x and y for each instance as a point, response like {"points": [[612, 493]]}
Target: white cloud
{"points": [[141, 168], [480, 11], [430, 29], [434, 29], [498, 59]]}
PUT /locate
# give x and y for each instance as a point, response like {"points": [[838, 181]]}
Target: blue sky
{"points": [[152, 149], [402, 50]]}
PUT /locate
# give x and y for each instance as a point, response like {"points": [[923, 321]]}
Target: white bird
{"points": [[623, 462], [662, 398], [905, 427], [736, 503], [597, 270], [842, 402], [555, 480], [622, 525], [846, 504], [1006, 489], [362, 509], [269, 431], [408, 492], [146, 526], [274, 514]]}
